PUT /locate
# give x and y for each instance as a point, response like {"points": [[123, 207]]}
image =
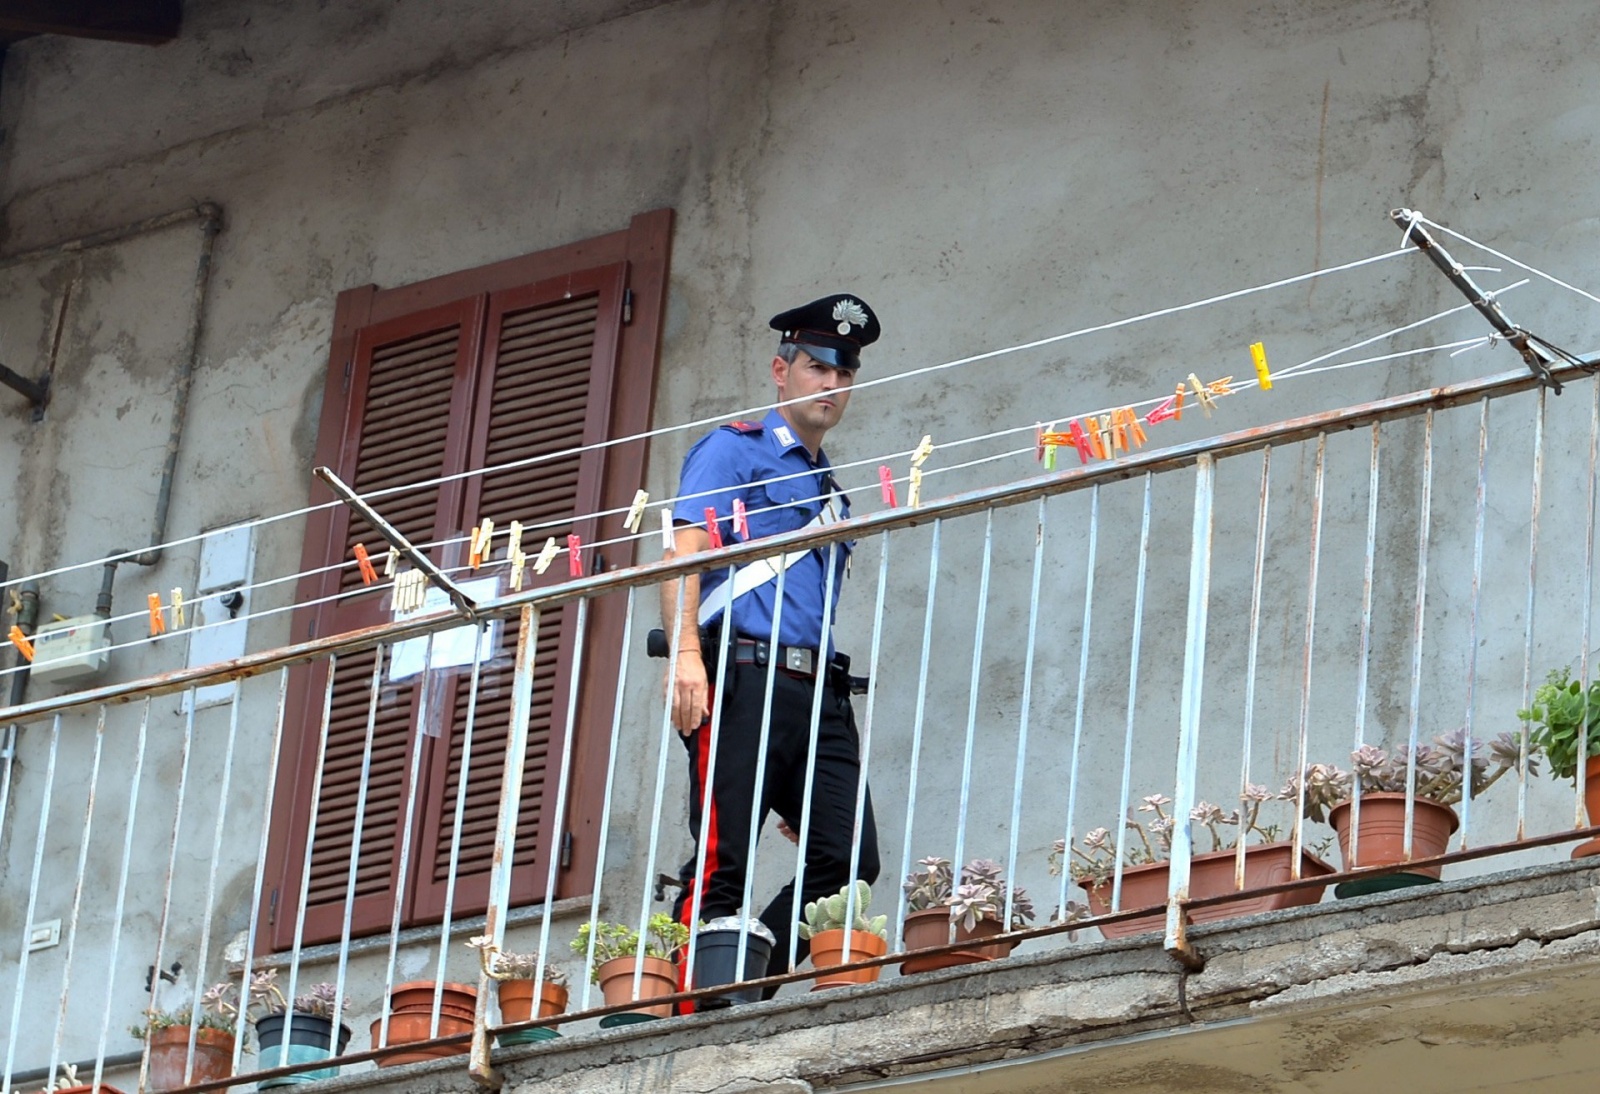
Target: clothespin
{"points": [[547, 555], [667, 541], [1080, 440], [741, 521], [886, 481], [1220, 387], [1050, 455], [177, 608], [364, 563], [574, 556], [20, 640], [914, 491], [1038, 441], [1258, 354], [713, 529], [479, 547], [519, 562], [158, 623], [636, 511], [1161, 411], [1201, 395], [391, 562], [1095, 445], [410, 590], [513, 541], [1177, 401], [1119, 435], [924, 449], [1128, 423]]}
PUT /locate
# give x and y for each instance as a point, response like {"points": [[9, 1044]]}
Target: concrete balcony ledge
{"points": [[1436, 977]]}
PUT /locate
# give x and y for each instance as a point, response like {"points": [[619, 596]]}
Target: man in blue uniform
{"points": [[776, 468]]}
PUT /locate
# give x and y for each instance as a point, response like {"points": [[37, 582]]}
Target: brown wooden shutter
{"points": [[545, 387]]}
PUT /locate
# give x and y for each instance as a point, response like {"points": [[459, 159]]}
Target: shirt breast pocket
{"points": [[789, 503]]}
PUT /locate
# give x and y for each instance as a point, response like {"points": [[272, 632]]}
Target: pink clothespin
{"points": [[886, 480], [713, 529], [575, 556], [1080, 440], [1161, 411], [741, 522]]}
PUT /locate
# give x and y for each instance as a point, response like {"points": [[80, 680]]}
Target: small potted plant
{"points": [[1567, 730], [307, 1021], [941, 911], [167, 1032], [1372, 831], [840, 933], [411, 1020], [617, 955], [514, 975], [716, 958], [67, 1083], [1145, 872]]}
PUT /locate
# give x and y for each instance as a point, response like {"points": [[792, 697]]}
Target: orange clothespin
{"points": [[20, 640], [741, 520], [177, 608], [1258, 355], [158, 622], [1201, 395], [547, 555], [886, 481], [636, 511], [369, 574], [574, 556], [1119, 434], [391, 562], [713, 529], [667, 541], [1127, 421], [480, 546], [1220, 387], [914, 491], [1177, 401], [924, 449], [1096, 448]]}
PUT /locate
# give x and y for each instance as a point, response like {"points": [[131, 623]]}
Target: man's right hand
{"points": [[690, 694]]}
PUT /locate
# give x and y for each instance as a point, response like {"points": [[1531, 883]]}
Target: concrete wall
{"points": [[985, 175]]}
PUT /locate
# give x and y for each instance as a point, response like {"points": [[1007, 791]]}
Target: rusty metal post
{"points": [[505, 833]]}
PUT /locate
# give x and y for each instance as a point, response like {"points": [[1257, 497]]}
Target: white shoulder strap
{"points": [[753, 575]]}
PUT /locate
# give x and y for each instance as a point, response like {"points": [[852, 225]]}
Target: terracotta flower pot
{"points": [[659, 977], [516, 1000], [416, 997], [213, 1056], [827, 950], [411, 1019], [1591, 802], [932, 928], [1210, 874], [1383, 831]]}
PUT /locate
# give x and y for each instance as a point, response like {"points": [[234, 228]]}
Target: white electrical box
{"points": [[70, 649], [222, 609]]}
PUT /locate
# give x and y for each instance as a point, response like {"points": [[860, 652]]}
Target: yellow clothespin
{"points": [[1128, 422], [636, 511], [177, 608], [158, 622], [20, 640], [914, 491], [667, 539], [391, 562], [1220, 387], [513, 540], [1258, 354], [519, 562], [924, 449], [546, 556], [1201, 395], [481, 543]]}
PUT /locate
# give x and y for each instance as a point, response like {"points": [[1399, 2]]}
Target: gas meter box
{"points": [[71, 649]]}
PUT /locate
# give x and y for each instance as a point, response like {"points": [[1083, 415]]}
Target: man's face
{"points": [[826, 389]]}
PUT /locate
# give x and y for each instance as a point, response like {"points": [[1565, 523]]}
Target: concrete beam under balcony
{"points": [[1484, 984]]}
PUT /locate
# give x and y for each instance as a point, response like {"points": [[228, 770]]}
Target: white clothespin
{"points": [[547, 555], [924, 449], [636, 511], [667, 538]]}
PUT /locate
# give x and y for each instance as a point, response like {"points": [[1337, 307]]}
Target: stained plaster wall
{"points": [[984, 175]]}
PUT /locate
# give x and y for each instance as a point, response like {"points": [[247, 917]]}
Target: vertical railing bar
{"points": [[505, 831], [1319, 483], [611, 776], [661, 789], [1535, 506], [824, 656], [166, 909], [402, 871], [1580, 777], [1473, 620], [458, 819], [1194, 666], [725, 653], [916, 725], [1423, 532], [33, 903], [77, 892], [972, 699], [121, 901], [1134, 650], [758, 790], [563, 774], [1083, 681], [216, 852], [850, 908], [1366, 643], [311, 837], [357, 830], [259, 884], [1022, 727], [1246, 749]]}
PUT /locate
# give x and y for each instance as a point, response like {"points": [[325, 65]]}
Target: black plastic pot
{"points": [[310, 1039], [715, 955]]}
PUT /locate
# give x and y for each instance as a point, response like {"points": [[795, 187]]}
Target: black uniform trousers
{"points": [[734, 806]]}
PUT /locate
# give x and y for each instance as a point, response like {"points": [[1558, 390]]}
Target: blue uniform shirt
{"points": [[741, 461]]}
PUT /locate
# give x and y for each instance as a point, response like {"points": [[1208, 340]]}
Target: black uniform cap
{"points": [[832, 329]]}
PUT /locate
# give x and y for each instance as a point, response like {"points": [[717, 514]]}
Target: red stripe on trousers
{"points": [[708, 836]]}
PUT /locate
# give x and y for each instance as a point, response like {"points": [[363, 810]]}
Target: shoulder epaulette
{"points": [[745, 427]]}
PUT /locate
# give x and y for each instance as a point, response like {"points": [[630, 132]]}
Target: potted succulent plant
{"points": [[411, 1020], [1566, 729], [297, 1031], [840, 933], [941, 910], [1372, 830], [214, 1026], [617, 955], [514, 975], [1145, 873]]}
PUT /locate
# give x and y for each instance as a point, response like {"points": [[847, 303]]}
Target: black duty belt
{"points": [[799, 660]]}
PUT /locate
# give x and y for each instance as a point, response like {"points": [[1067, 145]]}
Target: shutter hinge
{"points": [[272, 907], [627, 306], [349, 366], [566, 850]]}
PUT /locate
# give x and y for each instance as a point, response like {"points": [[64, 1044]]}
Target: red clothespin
{"points": [[741, 521], [20, 640], [369, 573], [1080, 440], [886, 481], [1095, 446], [636, 511], [158, 622], [1201, 395], [713, 529], [574, 556], [1161, 412], [1258, 356]]}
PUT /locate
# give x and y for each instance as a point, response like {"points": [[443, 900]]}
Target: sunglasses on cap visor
{"points": [[837, 358]]}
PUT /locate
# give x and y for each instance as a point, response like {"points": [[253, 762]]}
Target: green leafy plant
{"points": [[979, 894], [828, 914], [1441, 772], [1566, 722], [664, 936]]}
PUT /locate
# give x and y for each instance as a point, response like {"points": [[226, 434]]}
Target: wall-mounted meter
{"points": [[70, 649]]}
